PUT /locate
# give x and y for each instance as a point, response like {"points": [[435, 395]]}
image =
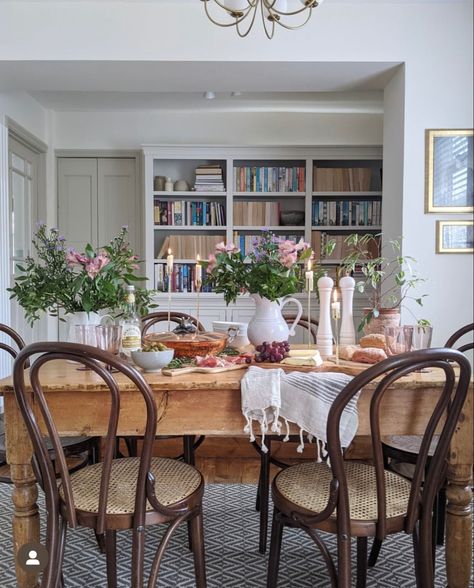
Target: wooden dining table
{"points": [[209, 404]]}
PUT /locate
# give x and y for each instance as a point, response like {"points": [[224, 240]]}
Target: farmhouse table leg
{"points": [[25, 491], [459, 494]]}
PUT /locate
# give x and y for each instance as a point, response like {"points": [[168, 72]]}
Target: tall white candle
{"points": [[309, 277], [324, 335], [169, 261], [198, 270], [335, 306], [347, 335]]}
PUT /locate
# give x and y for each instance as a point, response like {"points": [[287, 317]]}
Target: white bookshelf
{"points": [[179, 162]]}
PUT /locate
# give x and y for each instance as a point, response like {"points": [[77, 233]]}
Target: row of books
{"points": [[182, 278], [257, 214], [319, 240], [269, 179], [189, 246], [246, 243], [185, 213], [346, 212], [341, 179], [209, 178]]}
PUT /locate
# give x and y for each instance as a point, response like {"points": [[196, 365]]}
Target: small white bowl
{"points": [[152, 361]]}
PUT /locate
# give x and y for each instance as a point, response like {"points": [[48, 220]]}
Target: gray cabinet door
{"points": [[117, 200], [77, 201]]}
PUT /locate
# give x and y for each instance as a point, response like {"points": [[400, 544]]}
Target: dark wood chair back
{"points": [[13, 351], [160, 317], [451, 342], [304, 323], [31, 395], [442, 420]]}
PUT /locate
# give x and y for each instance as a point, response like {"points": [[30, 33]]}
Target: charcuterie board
{"points": [[202, 370], [350, 368]]}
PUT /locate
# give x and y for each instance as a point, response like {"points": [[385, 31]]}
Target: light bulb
{"points": [[236, 5], [278, 5]]}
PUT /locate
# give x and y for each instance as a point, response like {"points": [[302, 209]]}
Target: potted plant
{"points": [[80, 285], [389, 279], [270, 274]]}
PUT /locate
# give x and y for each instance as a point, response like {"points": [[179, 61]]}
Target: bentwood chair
{"points": [[80, 451], [115, 494], [189, 442], [405, 449], [266, 459], [353, 499]]}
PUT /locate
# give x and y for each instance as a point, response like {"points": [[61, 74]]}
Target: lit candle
{"points": [[169, 261], [335, 306], [310, 277], [198, 270]]}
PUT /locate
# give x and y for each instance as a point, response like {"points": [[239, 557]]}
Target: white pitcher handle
{"points": [[298, 315], [106, 319]]}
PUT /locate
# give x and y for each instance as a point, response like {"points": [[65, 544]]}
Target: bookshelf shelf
{"points": [[191, 194], [269, 194], [257, 228], [371, 194], [221, 228], [353, 229]]}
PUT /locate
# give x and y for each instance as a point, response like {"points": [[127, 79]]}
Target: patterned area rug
{"points": [[232, 558]]}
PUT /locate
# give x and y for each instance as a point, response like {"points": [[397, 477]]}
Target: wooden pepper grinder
{"points": [[347, 334], [324, 334]]}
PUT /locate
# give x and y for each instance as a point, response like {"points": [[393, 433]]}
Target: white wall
{"points": [[433, 40]]}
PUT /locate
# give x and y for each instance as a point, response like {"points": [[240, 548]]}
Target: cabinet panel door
{"points": [[118, 200], [77, 201]]}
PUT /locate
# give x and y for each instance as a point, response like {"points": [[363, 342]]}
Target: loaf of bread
{"points": [[347, 351], [369, 355], [373, 340]]}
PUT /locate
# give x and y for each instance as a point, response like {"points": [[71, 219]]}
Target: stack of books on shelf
{"points": [[269, 179], [189, 246], [341, 179], [246, 243], [319, 240], [257, 214], [182, 278], [347, 212], [209, 178], [184, 213]]}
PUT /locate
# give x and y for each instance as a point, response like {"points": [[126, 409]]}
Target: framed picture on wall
{"points": [[455, 236], [449, 170]]}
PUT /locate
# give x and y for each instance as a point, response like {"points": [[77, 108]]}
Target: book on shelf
{"points": [[257, 214], [182, 278], [351, 213], [246, 243], [341, 179], [269, 179], [209, 178], [185, 213], [319, 240], [189, 246]]}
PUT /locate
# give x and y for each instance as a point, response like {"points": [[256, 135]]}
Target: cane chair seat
{"points": [[174, 481], [307, 486]]}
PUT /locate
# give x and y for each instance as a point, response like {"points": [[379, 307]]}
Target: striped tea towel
{"points": [[297, 397]]}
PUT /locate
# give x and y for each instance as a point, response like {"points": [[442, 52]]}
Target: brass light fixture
{"points": [[241, 14]]}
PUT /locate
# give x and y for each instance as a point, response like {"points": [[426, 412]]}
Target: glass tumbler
{"points": [[85, 335], [398, 339], [109, 338], [422, 337]]}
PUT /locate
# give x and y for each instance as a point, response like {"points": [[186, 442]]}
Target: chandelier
{"points": [[241, 14]]}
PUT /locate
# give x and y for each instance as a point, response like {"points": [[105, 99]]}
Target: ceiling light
{"points": [[209, 95], [242, 13]]}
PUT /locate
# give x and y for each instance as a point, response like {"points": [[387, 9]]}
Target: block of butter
{"points": [[309, 357]]}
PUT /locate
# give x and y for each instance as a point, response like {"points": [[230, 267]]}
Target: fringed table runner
{"points": [[296, 397]]}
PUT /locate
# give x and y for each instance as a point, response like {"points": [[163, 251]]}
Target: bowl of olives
{"points": [[152, 357]]}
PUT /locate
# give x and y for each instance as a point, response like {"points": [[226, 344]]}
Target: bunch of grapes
{"points": [[272, 352]]}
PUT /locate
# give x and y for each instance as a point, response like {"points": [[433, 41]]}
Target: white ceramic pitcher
{"points": [[268, 323]]}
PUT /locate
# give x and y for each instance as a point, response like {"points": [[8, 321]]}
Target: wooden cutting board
{"points": [[350, 368], [203, 370]]}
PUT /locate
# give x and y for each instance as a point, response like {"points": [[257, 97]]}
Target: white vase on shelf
{"points": [[268, 324]]}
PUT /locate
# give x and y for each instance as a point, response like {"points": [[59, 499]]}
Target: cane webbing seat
{"points": [[174, 481], [307, 486]]}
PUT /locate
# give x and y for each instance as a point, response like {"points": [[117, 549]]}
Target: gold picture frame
{"points": [[449, 170], [454, 241]]}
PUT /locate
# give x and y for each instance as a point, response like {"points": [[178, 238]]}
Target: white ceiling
{"points": [[96, 85]]}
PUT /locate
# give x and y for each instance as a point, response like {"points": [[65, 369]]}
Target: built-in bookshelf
{"points": [[320, 193]]}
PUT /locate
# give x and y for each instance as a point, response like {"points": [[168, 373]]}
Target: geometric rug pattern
{"points": [[232, 558]]}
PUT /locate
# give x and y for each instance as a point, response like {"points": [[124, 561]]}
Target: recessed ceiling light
{"points": [[209, 95]]}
